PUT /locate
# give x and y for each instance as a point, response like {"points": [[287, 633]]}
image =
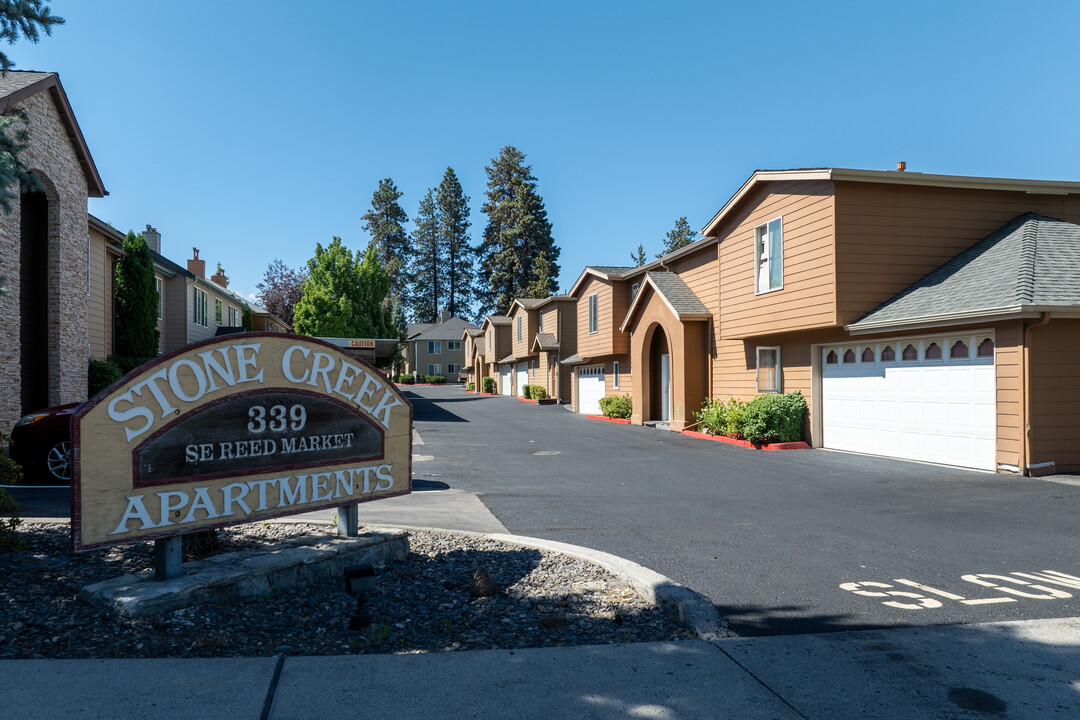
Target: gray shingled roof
{"points": [[498, 319], [15, 80], [474, 331], [451, 329], [529, 303], [413, 329], [546, 341], [1028, 263], [574, 359], [611, 269], [678, 294]]}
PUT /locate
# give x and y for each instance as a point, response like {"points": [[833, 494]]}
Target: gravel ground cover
{"points": [[424, 604]]}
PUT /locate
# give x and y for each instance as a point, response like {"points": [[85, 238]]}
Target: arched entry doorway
{"points": [[659, 377], [34, 301]]}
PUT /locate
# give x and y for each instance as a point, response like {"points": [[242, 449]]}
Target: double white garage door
{"points": [[929, 399], [590, 388]]}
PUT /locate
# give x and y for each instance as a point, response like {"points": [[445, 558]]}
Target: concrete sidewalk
{"points": [[1004, 670]]}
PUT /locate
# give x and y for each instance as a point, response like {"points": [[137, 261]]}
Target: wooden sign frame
{"points": [[231, 430]]}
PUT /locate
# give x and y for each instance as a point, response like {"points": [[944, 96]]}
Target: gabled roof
{"points": [[604, 272], [495, 320], [527, 303], [412, 329], [1026, 267], [556, 298], [450, 329], [544, 342], [675, 293], [473, 332], [18, 85]]}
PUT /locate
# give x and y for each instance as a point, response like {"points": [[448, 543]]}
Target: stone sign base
{"points": [[248, 572]]}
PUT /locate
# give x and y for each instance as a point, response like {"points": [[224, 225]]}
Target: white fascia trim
{"points": [[965, 318]]}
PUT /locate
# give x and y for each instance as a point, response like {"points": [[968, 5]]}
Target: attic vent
{"points": [[901, 166]]}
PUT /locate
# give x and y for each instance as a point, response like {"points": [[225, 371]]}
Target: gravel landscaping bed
{"points": [[424, 604]]}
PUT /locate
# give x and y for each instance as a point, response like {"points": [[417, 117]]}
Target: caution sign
{"points": [[236, 429]]}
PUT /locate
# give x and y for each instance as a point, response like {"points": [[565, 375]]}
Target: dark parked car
{"points": [[41, 443]]}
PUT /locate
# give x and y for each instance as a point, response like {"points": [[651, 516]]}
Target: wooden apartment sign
{"points": [[236, 429]]}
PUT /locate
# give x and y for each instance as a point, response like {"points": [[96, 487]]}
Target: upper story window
{"points": [[519, 328], [634, 290], [434, 347], [234, 316], [160, 297], [540, 323], [453, 344], [217, 311], [201, 302], [489, 339], [768, 257], [593, 313]]}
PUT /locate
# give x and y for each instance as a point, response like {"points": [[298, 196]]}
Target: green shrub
{"points": [[720, 418], [616, 406], [126, 363], [100, 374], [488, 384], [404, 379], [10, 473], [538, 392], [435, 379], [526, 391], [776, 418], [470, 386]]}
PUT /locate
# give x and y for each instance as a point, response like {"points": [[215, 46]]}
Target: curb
{"points": [[746, 443], [605, 418], [689, 607]]}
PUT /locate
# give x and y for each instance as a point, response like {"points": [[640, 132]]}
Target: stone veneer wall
{"points": [[51, 155]]}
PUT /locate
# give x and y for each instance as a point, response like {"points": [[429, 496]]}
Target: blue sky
{"points": [[256, 130]]}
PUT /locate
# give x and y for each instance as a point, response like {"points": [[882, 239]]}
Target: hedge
{"points": [[470, 386], [435, 379], [616, 406], [488, 384], [765, 419], [100, 374], [538, 392]]}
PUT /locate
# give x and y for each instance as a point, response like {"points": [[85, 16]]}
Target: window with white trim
{"points": [[453, 345], [201, 301], [453, 368], [768, 257], [519, 328], [768, 369], [489, 339], [434, 369], [234, 316], [615, 374], [593, 313], [634, 290], [217, 311], [434, 347], [160, 296]]}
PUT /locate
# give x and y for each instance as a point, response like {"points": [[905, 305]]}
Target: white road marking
{"points": [[999, 583], [423, 458], [416, 439]]}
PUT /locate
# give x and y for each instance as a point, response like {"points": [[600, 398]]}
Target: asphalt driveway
{"points": [[798, 541]]}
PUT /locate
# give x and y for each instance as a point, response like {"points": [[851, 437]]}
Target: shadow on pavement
{"points": [[428, 410]]}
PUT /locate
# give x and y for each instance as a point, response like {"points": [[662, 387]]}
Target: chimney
{"points": [[219, 277], [196, 266], [444, 315], [901, 166], [153, 239]]}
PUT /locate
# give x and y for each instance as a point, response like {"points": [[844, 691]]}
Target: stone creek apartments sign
{"points": [[233, 430]]}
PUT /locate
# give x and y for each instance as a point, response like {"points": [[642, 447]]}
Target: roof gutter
{"points": [[1014, 312]]}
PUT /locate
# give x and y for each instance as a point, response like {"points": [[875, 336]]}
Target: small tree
{"points": [[679, 236], [136, 301], [280, 289], [247, 320]]}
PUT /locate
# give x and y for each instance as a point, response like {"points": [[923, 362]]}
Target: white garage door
{"points": [[930, 399], [505, 387], [590, 385], [522, 378]]}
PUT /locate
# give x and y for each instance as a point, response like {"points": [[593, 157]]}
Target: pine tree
{"points": [[679, 236], [453, 213], [638, 258], [540, 286], [344, 296], [426, 280], [517, 232], [385, 221], [136, 300]]}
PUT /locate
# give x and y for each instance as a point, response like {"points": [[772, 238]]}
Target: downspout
{"points": [[1025, 402]]}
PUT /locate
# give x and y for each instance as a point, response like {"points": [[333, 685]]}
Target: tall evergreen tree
{"points": [[136, 300], [517, 232], [385, 221], [638, 258], [453, 211], [344, 296], [540, 285], [679, 236], [427, 291]]}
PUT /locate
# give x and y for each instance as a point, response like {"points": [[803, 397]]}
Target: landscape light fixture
{"points": [[359, 581]]}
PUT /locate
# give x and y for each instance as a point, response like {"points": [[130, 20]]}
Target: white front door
{"points": [[590, 387], [665, 388], [522, 378], [505, 386], [929, 399]]}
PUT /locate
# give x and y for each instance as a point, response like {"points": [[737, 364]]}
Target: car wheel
{"points": [[58, 461]]}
